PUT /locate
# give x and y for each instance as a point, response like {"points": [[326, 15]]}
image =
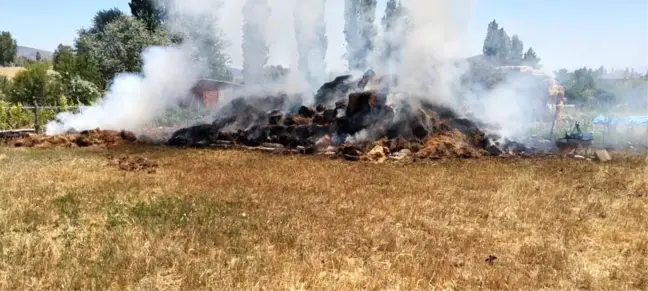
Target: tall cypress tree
{"points": [[254, 45], [531, 59], [504, 47], [359, 31], [312, 42], [491, 43], [517, 50]]}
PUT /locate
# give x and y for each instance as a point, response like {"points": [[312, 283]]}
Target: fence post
{"points": [[37, 118]]}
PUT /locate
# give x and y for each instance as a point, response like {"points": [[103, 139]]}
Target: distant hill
{"points": [[30, 53]]}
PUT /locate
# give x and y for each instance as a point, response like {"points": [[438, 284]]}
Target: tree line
{"points": [[585, 87]]}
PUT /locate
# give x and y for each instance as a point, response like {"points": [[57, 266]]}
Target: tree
{"points": [[71, 72], [395, 25], [491, 43], [5, 87], [530, 59], [36, 87], [103, 18], [117, 46], [81, 91], [517, 50], [255, 48], [504, 47], [276, 73], [206, 44], [38, 56], [8, 48], [150, 13], [312, 42], [63, 59], [351, 32], [359, 31]]}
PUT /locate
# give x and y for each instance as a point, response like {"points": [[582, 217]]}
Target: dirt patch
{"points": [[131, 163]]}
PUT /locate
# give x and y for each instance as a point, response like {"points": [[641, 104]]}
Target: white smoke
{"points": [[430, 65], [168, 74], [135, 99]]}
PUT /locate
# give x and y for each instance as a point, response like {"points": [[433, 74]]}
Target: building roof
{"points": [[212, 83]]}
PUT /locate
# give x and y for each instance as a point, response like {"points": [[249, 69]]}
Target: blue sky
{"points": [[564, 33]]}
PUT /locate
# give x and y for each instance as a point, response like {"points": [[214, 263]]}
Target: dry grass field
{"points": [[9, 72], [238, 220]]}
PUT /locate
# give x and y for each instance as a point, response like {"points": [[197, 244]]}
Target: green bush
{"points": [[16, 116], [181, 116], [5, 86]]}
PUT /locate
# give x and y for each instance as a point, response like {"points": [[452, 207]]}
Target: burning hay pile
{"points": [[87, 138], [349, 121]]}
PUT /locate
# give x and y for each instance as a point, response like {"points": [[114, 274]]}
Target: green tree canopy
{"points": [[117, 47], [35, 85], [150, 13], [8, 48], [72, 71], [103, 18]]}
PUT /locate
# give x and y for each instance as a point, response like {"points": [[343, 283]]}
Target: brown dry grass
{"points": [[9, 72], [236, 220]]}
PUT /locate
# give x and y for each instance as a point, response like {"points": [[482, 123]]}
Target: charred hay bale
{"points": [[359, 102], [331, 91], [341, 104], [410, 125], [325, 117], [398, 144], [128, 136], [275, 118], [350, 152], [306, 112], [83, 141], [328, 116], [300, 120], [191, 136], [254, 136], [288, 120]]}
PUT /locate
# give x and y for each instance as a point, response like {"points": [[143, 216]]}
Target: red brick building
{"points": [[208, 91]]}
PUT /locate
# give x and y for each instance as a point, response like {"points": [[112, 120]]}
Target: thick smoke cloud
{"points": [[135, 99], [430, 61], [168, 73]]}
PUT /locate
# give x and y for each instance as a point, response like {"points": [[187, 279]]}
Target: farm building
{"points": [[208, 91]]}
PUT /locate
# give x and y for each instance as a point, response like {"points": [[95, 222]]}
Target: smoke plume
{"points": [[426, 53], [135, 99]]}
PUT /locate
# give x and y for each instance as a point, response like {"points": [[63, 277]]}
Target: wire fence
{"points": [[22, 117], [13, 117]]}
